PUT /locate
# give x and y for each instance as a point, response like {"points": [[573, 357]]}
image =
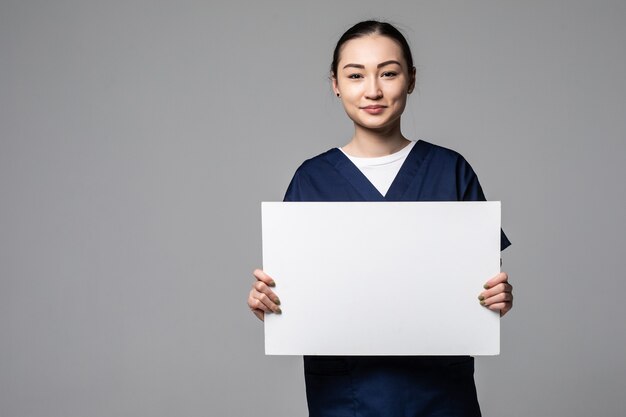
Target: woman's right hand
{"points": [[262, 299]]}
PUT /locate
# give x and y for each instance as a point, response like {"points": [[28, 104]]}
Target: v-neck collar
{"points": [[365, 188]]}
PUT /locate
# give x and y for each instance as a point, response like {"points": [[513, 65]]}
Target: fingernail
{"points": [[279, 311], [482, 303], [277, 301], [486, 286], [272, 284], [480, 297]]}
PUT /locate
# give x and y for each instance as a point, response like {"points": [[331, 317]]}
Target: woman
{"points": [[372, 73]]}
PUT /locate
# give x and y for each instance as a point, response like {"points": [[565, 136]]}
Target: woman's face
{"points": [[373, 80]]}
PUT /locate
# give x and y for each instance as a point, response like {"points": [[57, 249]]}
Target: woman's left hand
{"points": [[498, 294]]}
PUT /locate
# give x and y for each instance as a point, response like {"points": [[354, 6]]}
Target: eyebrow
{"points": [[382, 64]]}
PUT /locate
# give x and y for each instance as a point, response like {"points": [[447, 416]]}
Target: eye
{"points": [[354, 76], [389, 74]]}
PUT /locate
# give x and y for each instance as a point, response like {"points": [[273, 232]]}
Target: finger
{"points": [[497, 289], [503, 296], [262, 276], [256, 297], [262, 288], [267, 302], [497, 306], [501, 277], [506, 309], [259, 313], [255, 303]]}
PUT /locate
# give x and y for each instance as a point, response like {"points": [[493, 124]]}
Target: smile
{"points": [[373, 109]]}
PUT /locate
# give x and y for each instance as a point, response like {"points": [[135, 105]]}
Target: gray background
{"points": [[137, 140]]}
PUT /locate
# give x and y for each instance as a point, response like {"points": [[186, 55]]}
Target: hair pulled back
{"points": [[372, 27]]}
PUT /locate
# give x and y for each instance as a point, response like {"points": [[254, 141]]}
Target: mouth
{"points": [[374, 109]]}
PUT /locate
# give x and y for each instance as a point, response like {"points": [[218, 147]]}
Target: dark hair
{"points": [[372, 27]]}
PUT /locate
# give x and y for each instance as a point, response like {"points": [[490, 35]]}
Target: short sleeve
{"points": [[469, 189], [297, 187]]}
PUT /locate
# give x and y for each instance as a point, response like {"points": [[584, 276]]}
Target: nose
{"points": [[372, 89]]}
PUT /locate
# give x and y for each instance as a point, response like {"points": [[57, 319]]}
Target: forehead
{"points": [[370, 49]]}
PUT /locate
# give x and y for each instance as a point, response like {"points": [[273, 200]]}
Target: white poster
{"points": [[381, 278]]}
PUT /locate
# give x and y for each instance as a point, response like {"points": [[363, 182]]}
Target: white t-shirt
{"points": [[381, 170]]}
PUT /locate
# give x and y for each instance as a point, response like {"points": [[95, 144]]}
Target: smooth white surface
{"points": [[381, 278]]}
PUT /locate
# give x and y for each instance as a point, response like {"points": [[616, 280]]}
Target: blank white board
{"points": [[381, 278]]}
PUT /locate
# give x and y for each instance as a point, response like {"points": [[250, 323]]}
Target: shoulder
{"points": [[442, 153], [312, 176], [318, 163], [435, 154], [445, 160], [427, 150]]}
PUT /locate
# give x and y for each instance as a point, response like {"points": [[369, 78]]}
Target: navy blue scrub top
{"points": [[390, 386]]}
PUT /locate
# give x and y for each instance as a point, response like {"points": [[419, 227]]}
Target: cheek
{"points": [[400, 97], [350, 99], [350, 92]]}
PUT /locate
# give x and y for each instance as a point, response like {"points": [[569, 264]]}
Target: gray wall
{"points": [[137, 140]]}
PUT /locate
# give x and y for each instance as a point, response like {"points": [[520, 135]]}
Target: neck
{"points": [[375, 142]]}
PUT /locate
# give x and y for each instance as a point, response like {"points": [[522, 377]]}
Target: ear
{"points": [[335, 84], [412, 78]]}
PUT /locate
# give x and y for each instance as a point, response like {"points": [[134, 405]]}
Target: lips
{"points": [[374, 109]]}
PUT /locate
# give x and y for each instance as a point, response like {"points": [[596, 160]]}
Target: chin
{"points": [[377, 126], [374, 123]]}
